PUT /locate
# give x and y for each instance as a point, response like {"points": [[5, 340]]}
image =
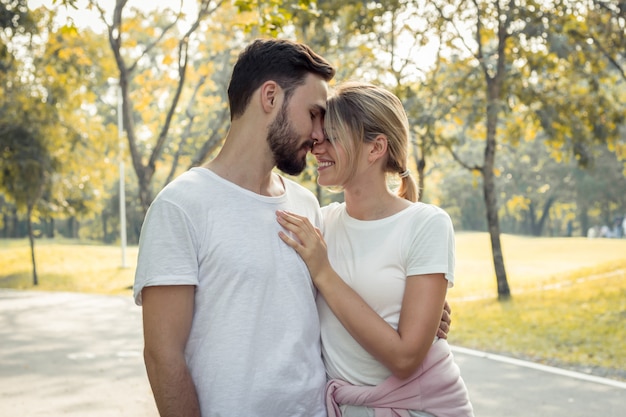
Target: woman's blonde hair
{"points": [[361, 112]]}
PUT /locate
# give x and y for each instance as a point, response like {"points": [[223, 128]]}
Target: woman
{"points": [[382, 268]]}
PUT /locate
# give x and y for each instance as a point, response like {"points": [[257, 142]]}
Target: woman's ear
{"points": [[269, 96], [378, 148]]}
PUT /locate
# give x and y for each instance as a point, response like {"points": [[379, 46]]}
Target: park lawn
{"points": [[568, 305], [531, 263], [67, 266], [580, 325]]}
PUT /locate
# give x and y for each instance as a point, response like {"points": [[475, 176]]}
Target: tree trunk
{"points": [[72, 227], [144, 176], [494, 92], [583, 217], [540, 224], [104, 223], [15, 224], [49, 224], [31, 239], [489, 191], [493, 225], [145, 171], [420, 163]]}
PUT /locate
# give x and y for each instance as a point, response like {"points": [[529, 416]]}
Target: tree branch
{"points": [[183, 59]]}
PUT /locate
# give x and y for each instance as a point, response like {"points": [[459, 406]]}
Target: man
{"points": [[230, 324], [229, 315]]}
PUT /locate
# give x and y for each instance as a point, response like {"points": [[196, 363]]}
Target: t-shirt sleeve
{"points": [[433, 247], [167, 249]]}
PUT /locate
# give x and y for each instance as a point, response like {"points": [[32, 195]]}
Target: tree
{"points": [[128, 68], [531, 184], [604, 29], [594, 109], [54, 89], [23, 173], [159, 57], [519, 72], [600, 189], [57, 69], [26, 165], [485, 54]]}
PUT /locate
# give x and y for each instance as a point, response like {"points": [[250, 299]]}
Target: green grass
{"points": [[568, 305], [67, 266]]}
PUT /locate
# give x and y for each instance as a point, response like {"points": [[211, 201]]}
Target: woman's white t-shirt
{"points": [[375, 258]]}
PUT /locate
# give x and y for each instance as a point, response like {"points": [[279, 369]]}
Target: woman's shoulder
{"points": [[429, 213], [427, 209]]}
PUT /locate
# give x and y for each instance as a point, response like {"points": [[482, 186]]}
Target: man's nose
{"points": [[318, 133]]}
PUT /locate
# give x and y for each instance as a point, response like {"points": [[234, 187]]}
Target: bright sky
{"points": [[83, 17]]}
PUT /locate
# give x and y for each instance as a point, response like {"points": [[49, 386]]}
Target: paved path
{"points": [[77, 355], [65, 354], [505, 387]]}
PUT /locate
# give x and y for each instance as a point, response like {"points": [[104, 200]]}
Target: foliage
{"points": [[183, 60], [68, 72], [15, 17], [559, 135], [531, 182], [25, 175], [61, 68], [26, 165], [520, 72]]}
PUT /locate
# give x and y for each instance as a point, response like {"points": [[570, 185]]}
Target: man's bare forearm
{"points": [[173, 389]]}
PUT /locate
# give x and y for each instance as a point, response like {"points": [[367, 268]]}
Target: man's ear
{"points": [[378, 148], [269, 96]]}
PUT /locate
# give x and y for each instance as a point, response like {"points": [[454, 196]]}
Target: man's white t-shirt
{"points": [[375, 258], [254, 347]]}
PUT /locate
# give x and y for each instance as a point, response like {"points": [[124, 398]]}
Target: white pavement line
{"points": [[540, 367]]}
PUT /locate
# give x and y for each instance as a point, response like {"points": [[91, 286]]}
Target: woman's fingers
{"points": [[304, 238], [288, 222], [288, 240], [295, 225], [294, 219]]}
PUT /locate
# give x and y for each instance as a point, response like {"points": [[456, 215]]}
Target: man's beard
{"points": [[283, 141]]}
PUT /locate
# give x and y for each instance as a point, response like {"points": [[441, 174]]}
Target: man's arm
{"points": [[446, 321], [167, 317]]}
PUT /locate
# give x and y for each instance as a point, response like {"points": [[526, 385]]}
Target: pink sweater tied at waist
{"points": [[436, 387]]}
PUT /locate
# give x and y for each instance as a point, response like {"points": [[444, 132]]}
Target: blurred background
{"points": [[518, 130]]}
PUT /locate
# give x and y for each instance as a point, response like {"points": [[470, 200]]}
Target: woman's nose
{"points": [[318, 146]]}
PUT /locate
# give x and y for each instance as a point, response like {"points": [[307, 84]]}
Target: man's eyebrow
{"points": [[320, 109]]}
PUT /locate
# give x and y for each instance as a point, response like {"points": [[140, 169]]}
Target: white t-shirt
{"points": [[374, 258], [254, 347]]}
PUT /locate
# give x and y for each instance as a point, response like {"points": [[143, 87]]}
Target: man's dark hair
{"points": [[286, 62]]}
